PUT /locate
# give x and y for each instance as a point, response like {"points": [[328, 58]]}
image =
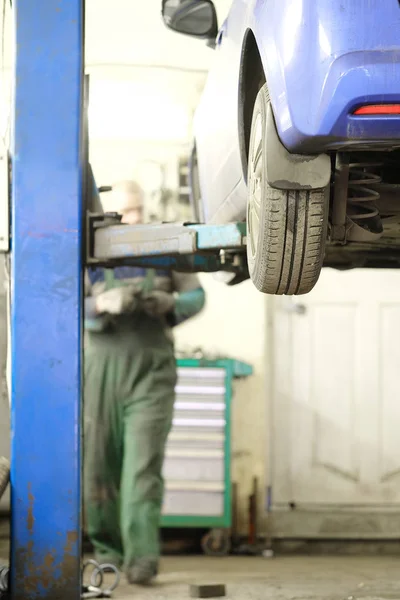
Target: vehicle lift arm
{"points": [[181, 247], [51, 240]]}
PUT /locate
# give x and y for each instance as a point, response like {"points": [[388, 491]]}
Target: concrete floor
{"points": [[279, 578], [282, 578]]}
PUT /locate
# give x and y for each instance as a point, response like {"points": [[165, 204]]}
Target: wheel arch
{"points": [[251, 79]]}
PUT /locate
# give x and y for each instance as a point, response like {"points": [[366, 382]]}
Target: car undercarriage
{"points": [[377, 191]]}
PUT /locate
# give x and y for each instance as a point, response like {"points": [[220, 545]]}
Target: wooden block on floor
{"points": [[210, 590]]}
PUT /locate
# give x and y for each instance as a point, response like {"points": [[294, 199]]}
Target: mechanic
{"points": [[130, 376]]}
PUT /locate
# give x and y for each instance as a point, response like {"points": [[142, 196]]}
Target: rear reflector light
{"points": [[378, 109]]}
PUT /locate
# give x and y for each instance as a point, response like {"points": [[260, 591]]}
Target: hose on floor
{"points": [[4, 474], [4, 571], [4, 479]]}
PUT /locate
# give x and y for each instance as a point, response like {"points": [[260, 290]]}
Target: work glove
{"points": [[117, 301], [158, 303]]}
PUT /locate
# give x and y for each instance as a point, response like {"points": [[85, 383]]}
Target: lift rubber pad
{"points": [[208, 591]]}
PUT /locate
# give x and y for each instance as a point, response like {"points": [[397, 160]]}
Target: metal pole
{"points": [[46, 300]]}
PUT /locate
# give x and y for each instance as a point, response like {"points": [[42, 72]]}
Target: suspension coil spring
{"points": [[361, 200], [4, 574]]}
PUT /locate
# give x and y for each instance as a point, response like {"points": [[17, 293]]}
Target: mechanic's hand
{"points": [[117, 300], [158, 303]]}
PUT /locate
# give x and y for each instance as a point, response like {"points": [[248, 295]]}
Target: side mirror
{"points": [[197, 18]]}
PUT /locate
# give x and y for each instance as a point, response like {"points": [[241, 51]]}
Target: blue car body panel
{"points": [[322, 59]]}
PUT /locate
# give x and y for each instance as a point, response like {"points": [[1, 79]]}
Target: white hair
{"points": [[126, 195]]}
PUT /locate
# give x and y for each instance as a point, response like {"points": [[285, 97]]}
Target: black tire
{"points": [[286, 252]]}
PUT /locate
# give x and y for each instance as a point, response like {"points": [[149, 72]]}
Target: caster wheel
{"points": [[216, 543]]}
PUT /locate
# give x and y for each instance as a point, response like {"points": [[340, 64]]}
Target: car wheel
{"points": [[286, 229]]}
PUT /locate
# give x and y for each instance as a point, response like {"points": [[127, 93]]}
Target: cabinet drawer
{"points": [[197, 468], [193, 503]]}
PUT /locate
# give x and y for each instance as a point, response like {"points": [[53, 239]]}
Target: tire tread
{"points": [[292, 235]]}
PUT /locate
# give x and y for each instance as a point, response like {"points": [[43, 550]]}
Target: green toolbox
{"points": [[197, 468]]}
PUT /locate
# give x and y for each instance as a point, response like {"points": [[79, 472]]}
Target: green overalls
{"points": [[130, 376]]}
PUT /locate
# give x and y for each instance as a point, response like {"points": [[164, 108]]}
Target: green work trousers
{"points": [[130, 376]]}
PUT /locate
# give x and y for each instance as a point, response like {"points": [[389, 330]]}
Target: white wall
{"points": [[234, 325], [145, 83], [131, 32], [143, 92]]}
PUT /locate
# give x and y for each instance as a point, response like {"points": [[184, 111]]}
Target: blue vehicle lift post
{"points": [[51, 191], [46, 287]]}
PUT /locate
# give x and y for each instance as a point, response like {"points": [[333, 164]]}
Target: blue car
{"points": [[298, 132]]}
